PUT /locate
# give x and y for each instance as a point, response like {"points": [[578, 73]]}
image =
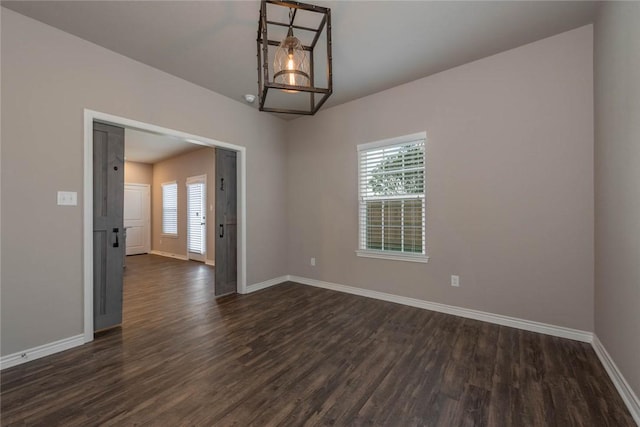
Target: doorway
{"points": [[196, 218], [88, 259], [137, 218]]}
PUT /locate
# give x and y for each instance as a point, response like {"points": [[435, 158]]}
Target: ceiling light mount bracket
{"points": [[288, 64]]}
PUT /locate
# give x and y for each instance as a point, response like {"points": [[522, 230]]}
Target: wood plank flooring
{"points": [[296, 355]]}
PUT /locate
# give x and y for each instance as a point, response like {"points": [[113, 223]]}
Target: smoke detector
{"points": [[250, 98]]}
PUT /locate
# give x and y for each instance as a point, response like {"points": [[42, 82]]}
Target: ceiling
{"points": [[376, 44], [147, 147]]}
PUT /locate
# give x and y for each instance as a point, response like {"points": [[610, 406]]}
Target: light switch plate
{"points": [[455, 281], [67, 198]]}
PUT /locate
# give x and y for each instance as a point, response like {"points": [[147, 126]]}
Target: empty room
{"points": [[262, 212]]}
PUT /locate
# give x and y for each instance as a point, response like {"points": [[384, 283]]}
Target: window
{"points": [[392, 198], [170, 208]]}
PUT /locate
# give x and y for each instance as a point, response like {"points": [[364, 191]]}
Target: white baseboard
{"points": [[41, 351], [170, 255], [210, 262], [623, 387], [626, 392], [498, 319], [266, 284]]}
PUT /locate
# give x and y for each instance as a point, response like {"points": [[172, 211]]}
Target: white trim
{"points": [[87, 257], [170, 255], [400, 256], [362, 150], [241, 179], [196, 179], [87, 238], [498, 319], [392, 141], [625, 390], [40, 351], [623, 387], [210, 262], [267, 284]]}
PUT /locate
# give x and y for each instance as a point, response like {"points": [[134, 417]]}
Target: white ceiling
{"points": [[376, 44], [146, 147]]}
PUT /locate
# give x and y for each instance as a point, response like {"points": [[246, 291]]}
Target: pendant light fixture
{"points": [[290, 68], [291, 65]]}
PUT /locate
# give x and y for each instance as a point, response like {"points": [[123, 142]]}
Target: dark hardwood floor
{"points": [[297, 355]]}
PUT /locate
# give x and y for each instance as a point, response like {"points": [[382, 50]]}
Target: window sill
{"points": [[169, 236], [392, 256]]}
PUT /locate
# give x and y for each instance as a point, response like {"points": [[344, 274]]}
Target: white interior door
{"points": [[137, 218], [196, 217]]}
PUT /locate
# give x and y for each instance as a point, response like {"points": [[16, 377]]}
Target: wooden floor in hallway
{"points": [[297, 355]]}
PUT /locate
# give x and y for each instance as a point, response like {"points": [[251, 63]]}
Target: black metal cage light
{"points": [[287, 65]]}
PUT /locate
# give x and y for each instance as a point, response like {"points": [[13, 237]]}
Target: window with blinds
{"points": [[392, 198], [170, 208]]}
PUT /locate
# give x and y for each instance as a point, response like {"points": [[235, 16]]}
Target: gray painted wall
{"points": [[510, 178], [617, 180], [509, 184], [48, 78]]}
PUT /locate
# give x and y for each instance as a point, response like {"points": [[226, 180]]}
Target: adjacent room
{"points": [[168, 223], [340, 213], [169, 192]]}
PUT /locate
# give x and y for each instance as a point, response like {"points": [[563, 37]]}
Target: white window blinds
{"points": [[392, 196], [170, 208]]}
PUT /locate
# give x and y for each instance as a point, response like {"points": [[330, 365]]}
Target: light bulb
{"points": [[292, 77], [290, 65]]}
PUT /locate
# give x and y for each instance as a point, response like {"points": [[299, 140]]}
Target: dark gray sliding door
{"points": [[226, 271], [108, 246]]}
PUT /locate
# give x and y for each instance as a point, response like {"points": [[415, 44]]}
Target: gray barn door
{"points": [[108, 245], [226, 219]]}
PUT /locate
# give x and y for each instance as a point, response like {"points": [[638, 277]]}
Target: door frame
{"points": [[147, 237], [89, 117], [194, 180]]}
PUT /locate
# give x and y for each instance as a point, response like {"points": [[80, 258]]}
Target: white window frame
{"points": [[163, 233], [387, 254]]}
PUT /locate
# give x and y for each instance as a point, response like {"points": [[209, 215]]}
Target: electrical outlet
{"points": [[313, 262], [455, 281]]}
